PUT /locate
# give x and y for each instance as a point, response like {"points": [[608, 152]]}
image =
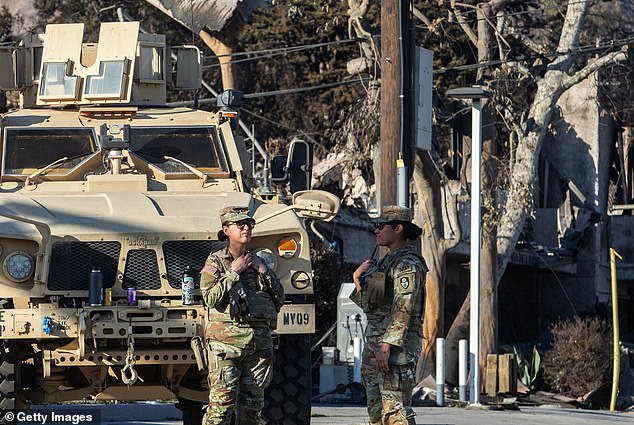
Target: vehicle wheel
{"points": [[192, 411], [287, 399], [7, 384]]}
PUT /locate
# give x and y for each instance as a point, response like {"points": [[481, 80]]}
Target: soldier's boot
{"points": [[398, 418]]}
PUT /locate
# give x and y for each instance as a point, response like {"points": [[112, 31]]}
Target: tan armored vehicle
{"points": [[107, 197]]}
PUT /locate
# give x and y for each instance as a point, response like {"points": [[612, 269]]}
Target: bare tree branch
{"points": [[524, 172], [418, 14], [463, 22], [593, 66]]}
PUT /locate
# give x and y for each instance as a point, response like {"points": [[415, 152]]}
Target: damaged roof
{"points": [[210, 15]]}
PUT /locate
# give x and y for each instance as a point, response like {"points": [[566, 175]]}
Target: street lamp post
{"points": [[476, 94]]}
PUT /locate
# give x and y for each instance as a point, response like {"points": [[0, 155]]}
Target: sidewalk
{"points": [[325, 414]]}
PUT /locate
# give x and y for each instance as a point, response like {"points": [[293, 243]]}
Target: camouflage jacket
{"points": [[398, 320], [264, 295]]}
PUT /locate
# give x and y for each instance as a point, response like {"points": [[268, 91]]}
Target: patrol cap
{"points": [[394, 213], [234, 214]]}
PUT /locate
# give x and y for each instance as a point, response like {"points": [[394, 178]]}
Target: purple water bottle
{"points": [[132, 296]]}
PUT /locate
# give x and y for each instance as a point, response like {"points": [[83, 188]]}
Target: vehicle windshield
{"points": [[28, 150], [197, 146]]}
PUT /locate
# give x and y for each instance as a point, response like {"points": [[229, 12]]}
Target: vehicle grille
{"points": [[71, 263], [180, 254], [141, 270]]}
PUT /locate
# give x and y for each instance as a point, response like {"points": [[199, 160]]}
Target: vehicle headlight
{"points": [[18, 266], [267, 256]]}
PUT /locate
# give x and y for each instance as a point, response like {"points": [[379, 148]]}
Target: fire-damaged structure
{"points": [[561, 266]]}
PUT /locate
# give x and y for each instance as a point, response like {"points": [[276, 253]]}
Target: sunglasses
{"points": [[380, 226], [244, 223]]}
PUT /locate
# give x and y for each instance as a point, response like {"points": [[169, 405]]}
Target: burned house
{"points": [[582, 208]]}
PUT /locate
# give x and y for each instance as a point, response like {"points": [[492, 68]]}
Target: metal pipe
{"points": [[462, 370], [622, 207], [401, 181], [356, 374], [440, 372], [474, 319], [616, 369], [115, 156], [322, 238]]}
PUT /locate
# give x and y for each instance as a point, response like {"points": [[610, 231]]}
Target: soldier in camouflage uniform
{"points": [[243, 297], [391, 293]]}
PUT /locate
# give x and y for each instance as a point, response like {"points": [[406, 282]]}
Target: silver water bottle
{"points": [[188, 287]]}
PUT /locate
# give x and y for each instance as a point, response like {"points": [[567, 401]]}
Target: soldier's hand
{"points": [[383, 357], [241, 263], [356, 276], [257, 263]]}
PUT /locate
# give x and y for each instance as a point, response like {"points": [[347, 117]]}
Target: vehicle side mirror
{"points": [[317, 204], [300, 165], [279, 172], [188, 68], [296, 168]]}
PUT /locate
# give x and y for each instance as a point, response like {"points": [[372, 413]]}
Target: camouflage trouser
{"points": [[236, 386], [390, 395]]}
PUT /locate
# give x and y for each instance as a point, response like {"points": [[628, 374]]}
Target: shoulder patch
{"points": [[209, 269], [405, 282]]}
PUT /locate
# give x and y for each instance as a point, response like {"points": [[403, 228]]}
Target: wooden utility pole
{"points": [[395, 133]]}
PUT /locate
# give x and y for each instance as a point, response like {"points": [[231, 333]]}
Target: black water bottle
{"points": [[95, 288]]}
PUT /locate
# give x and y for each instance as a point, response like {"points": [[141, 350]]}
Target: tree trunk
{"points": [[224, 45], [434, 248], [524, 170], [428, 190]]}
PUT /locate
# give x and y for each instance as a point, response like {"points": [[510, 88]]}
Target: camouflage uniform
{"points": [[240, 353], [396, 320]]}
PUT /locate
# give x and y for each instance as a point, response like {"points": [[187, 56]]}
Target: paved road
{"points": [[338, 415], [163, 414]]}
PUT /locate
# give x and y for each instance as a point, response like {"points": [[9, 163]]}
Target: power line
{"points": [[269, 53], [581, 49], [278, 92], [289, 48], [304, 89], [512, 14]]}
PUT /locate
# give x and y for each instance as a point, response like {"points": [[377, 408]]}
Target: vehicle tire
{"points": [[7, 384], [192, 411], [287, 399]]}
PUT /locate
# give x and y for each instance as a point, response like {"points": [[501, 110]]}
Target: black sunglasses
{"points": [[380, 226], [242, 223]]}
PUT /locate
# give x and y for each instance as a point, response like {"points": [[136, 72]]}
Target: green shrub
{"points": [[580, 359]]}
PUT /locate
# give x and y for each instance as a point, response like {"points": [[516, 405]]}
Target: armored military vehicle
{"points": [[107, 198]]}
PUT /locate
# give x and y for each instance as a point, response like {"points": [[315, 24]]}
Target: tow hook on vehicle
{"points": [[129, 375]]}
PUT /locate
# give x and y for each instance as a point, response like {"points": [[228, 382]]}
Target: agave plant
{"points": [[529, 369]]}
